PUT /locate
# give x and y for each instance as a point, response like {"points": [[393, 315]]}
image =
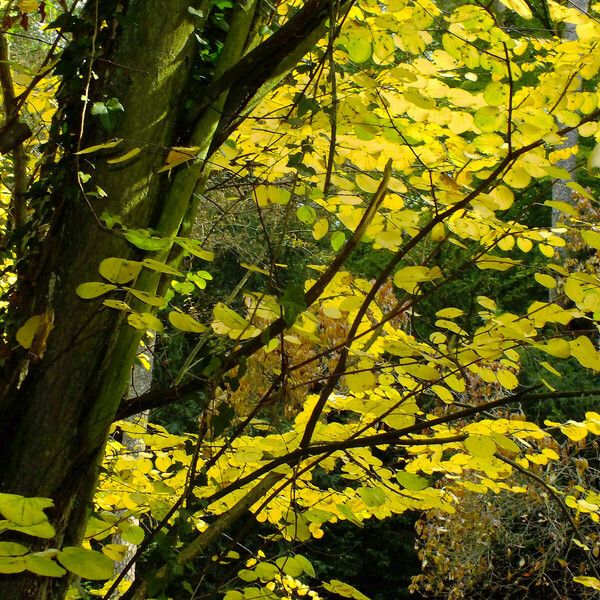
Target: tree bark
{"points": [[57, 403], [54, 421]]}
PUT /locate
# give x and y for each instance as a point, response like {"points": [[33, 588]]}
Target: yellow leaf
{"points": [[270, 194], [28, 6], [443, 393], [360, 382], [438, 232], [550, 368], [574, 431], [320, 228], [564, 207], [185, 322], [497, 263], [91, 149], [507, 379], [505, 443], [160, 267], [588, 581], [127, 156], [545, 280], [93, 289], [481, 446], [408, 278], [119, 270], [115, 552], [519, 6], [117, 305], [366, 183], [147, 298], [585, 352], [179, 155], [26, 333], [591, 238]]}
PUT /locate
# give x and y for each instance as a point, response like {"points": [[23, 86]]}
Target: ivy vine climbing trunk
{"points": [[58, 400], [49, 444]]}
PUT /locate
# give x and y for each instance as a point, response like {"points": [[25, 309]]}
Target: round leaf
{"points": [[12, 564], [133, 535], [27, 331], [412, 481], [88, 564], [185, 322], [12, 549], [119, 270], [93, 289], [481, 446], [43, 566], [24, 511]]}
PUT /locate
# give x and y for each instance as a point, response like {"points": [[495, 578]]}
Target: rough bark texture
{"points": [[53, 425], [57, 403], [560, 190]]}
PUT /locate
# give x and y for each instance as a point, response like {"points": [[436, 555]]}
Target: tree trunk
{"points": [[53, 423], [57, 402]]}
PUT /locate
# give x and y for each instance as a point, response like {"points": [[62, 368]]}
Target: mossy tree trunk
{"points": [[56, 404]]}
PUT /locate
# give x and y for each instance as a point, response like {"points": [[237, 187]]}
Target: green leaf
{"points": [[412, 481], [119, 270], [40, 565], [195, 248], [145, 321], [133, 534], [185, 322], [88, 564], [266, 571], [293, 302], [247, 575], [306, 214], [160, 267], [305, 564], [93, 289], [99, 108], [222, 419], [41, 530], [338, 238], [344, 589], [372, 496], [9, 565], [141, 238], [316, 515], [147, 298], [12, 549], [359, 47], [24, 511], [347, 512], [290, 566]]}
